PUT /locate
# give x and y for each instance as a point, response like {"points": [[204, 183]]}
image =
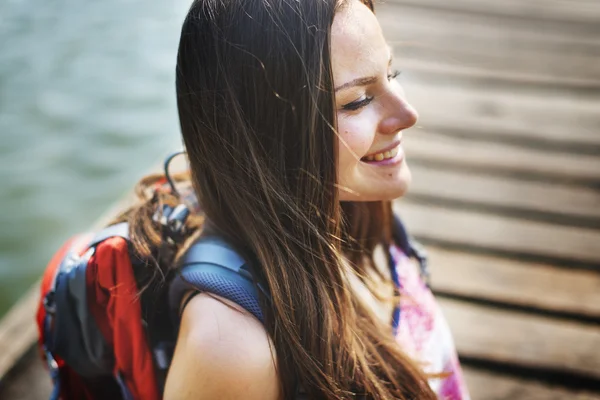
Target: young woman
{"points": [[293, 122]]}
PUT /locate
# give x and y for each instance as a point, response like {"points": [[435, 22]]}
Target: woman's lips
{"points": [[385, 149], [391, 155]]}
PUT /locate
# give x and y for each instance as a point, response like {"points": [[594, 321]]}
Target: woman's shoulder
{"points": [[222, 352]]}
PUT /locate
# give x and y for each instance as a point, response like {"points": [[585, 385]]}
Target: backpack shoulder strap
{"points": [[67, 292], [117, 230], [400, 234], [410, 246], [213, 265]]}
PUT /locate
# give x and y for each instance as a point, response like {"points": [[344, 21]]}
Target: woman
{"points": [[293, 121]]}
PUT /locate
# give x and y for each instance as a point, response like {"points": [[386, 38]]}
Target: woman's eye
{"points": [[394, 75], [355, 105]]}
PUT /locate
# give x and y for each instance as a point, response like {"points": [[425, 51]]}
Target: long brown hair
{"points": [[256, 107]]}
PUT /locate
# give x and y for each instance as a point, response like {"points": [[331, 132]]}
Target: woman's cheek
{"points": [[360, 146], [357, 139]]}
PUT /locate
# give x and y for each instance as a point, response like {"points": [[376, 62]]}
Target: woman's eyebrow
{"points": [[357, 82], [364, 81]]}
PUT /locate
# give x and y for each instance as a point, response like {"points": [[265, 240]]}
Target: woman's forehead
{"points": [[357, 43]]}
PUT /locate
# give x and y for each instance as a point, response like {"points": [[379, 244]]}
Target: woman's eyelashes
{"points": [[355, 105], [358, 104]]}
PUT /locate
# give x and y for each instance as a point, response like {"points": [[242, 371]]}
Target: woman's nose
{"points": [[399, 115]]}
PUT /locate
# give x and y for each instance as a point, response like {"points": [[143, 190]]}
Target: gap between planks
{"points": [[526, 340], [527, 199], [466, 155], [427, 67], [562, 122], [498, 44], [490, 386], [502, 234], [523, 284], [34, 383]]}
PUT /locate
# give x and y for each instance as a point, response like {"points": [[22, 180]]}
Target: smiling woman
{"points": [[292, 122], [371, 109]]}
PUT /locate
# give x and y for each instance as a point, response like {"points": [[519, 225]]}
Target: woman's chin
{"points": [[395, 192], [389, 189], [377, 188], [383, 192]]}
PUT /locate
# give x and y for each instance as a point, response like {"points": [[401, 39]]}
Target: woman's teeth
{"points": [[383, 156]]}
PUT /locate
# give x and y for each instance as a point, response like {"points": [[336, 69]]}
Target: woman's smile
{"points": [[391, 155], [372, 112]]}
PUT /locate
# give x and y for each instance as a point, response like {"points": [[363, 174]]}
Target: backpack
{"points": [[101, 339]]}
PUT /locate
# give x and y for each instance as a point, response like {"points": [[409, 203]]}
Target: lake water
{"points": [[87, 106]]}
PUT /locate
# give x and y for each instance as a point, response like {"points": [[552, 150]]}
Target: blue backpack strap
{"points": [[410, 247], [400, 234], [212, 265], [117, 230]]}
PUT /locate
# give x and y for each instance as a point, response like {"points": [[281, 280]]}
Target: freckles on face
{"points": [[355, 140], [371, 111]]}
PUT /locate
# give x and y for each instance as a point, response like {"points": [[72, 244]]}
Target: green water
{"points": [[87, 106]]}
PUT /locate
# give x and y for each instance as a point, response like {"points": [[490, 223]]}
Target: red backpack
{"points": [[102, 339]]}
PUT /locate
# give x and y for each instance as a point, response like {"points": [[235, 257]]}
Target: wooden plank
{"points": [[33, 383], [490, 386], [435, 71], [562, 121], [473, 187], [493, 232], [532, 285], [423, 145], [18, 331], [29, 381], [526, 340], [499, 44], [579, 11]]}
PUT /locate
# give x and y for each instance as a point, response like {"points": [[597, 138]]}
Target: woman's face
{"points": [[371, 109]]}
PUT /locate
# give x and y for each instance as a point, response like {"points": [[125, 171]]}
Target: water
{"points": [[87, 106]]}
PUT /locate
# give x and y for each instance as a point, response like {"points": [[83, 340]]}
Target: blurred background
{"points": [[87, 106], [505, 161]]}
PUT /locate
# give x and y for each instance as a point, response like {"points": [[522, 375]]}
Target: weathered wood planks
{"points": [[562, 122], [579, 11], [511, 282], [526, 340], [485, 385], [18, 331], [506, 160], [28, 380], [567, 203], [446, 152], [493, 42], [500, 233]]}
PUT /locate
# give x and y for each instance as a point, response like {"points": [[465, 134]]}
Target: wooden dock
{"points": [[505, 194], [506, 188]]}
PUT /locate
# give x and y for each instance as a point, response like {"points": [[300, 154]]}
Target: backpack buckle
{"points": [[51, 362], [49, 304], [172, 220]]}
